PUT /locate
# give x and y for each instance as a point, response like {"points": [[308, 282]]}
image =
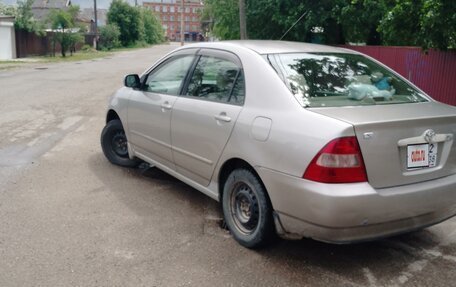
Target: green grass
{"points": [[5, 65], [78, 56]]}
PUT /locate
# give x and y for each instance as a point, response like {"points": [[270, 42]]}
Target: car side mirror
{"points": [[132, 81]]}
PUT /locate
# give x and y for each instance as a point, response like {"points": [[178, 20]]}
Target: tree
{"points": [[152, 31], [425, 23], [359, 19], [270, 19], [7, 10], [127, 18], [225, 16], [109, 36], [62, 23], [24, 19]]}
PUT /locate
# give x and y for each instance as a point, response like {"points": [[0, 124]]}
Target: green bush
{"points": [[151, 27], [87, 48], [109, 37], [136, 25], [127, 18]]}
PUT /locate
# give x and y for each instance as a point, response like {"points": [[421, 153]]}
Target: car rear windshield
{"points": [[335, 80]]}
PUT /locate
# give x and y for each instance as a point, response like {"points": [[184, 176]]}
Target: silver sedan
{"points": [[293, 139]]}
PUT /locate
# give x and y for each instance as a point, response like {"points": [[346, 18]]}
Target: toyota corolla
{"points": [[294, 139]]}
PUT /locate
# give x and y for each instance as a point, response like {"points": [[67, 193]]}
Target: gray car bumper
{"points": [[343, 213]]}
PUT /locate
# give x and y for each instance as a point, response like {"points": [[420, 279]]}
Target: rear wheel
{"points": [[247, 210], [114, 145]]}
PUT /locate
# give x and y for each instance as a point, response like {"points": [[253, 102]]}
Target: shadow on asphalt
{"points": [[387, 256]]}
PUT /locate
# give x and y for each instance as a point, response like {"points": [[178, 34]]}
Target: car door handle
{"points": [[166, 106], [223, 118]]}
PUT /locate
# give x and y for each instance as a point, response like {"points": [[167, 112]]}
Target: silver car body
{"points": [[195, 140]]}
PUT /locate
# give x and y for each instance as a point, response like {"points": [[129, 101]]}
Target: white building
{"points": [[7, 38]]}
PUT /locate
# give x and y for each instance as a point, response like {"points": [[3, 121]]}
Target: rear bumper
{"points": [[343, 213]]}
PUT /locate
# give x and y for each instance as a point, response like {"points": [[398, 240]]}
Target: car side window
{"points": [[168, 78], [216, 79]]}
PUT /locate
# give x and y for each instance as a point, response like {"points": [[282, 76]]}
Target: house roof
{"points": [[87, 15], [51, 4], [41, 8]]}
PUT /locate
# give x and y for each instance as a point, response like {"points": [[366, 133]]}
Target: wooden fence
{"points": [[30, 44]]}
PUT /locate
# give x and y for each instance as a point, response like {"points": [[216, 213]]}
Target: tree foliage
{"points": [[359, 19], [62, 22], [127, 18], [7, 10], [270, 19], [24, 19], [152, 31], [135, 24], [109, 36], [426, 23], [225, 17]]}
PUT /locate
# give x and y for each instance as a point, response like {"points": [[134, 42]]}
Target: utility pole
{"points": [[95, 40], [182, 23], [242, 22]]}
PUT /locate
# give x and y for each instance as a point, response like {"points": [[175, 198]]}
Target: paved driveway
{"points": [[69, 218]]}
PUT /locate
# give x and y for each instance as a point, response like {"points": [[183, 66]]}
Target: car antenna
{"points": [[294, 24]]}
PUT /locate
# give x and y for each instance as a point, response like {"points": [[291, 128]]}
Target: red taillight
{"points": [[340, 161]]}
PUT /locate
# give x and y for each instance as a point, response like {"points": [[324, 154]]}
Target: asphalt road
{"points": [[69, 218]]}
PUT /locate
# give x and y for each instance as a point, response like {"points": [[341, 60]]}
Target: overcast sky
{"points": [[82, 3]]}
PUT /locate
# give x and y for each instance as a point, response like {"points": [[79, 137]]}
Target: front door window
{"points": [[168, 78]]}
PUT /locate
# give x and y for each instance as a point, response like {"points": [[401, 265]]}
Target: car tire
{"points": [[247, 209], [114, 145]]}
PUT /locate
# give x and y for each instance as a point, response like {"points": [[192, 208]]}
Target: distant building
{"points": [[8, 42], [169, 12], [42, 8], [86, 17]]}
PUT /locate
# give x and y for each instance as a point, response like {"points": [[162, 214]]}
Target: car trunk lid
{"points": [[404, 143]]}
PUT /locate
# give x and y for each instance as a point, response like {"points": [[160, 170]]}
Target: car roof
{"points": [[276, 47]]}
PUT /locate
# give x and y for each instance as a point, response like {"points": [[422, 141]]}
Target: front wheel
{"points": [[114, 145], [247, 209]]}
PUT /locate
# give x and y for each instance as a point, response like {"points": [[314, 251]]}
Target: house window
{"points": [[171, 18], [157, 8], [187, 9], [165, 8], [171, 9]]}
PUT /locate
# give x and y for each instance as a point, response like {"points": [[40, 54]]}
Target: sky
{"points": [[81, 3]]}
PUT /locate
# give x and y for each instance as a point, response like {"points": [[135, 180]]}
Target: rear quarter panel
{"points": [[296, 134]]}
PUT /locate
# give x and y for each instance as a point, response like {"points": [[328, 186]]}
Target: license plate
{"points": [[421, 155]]}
